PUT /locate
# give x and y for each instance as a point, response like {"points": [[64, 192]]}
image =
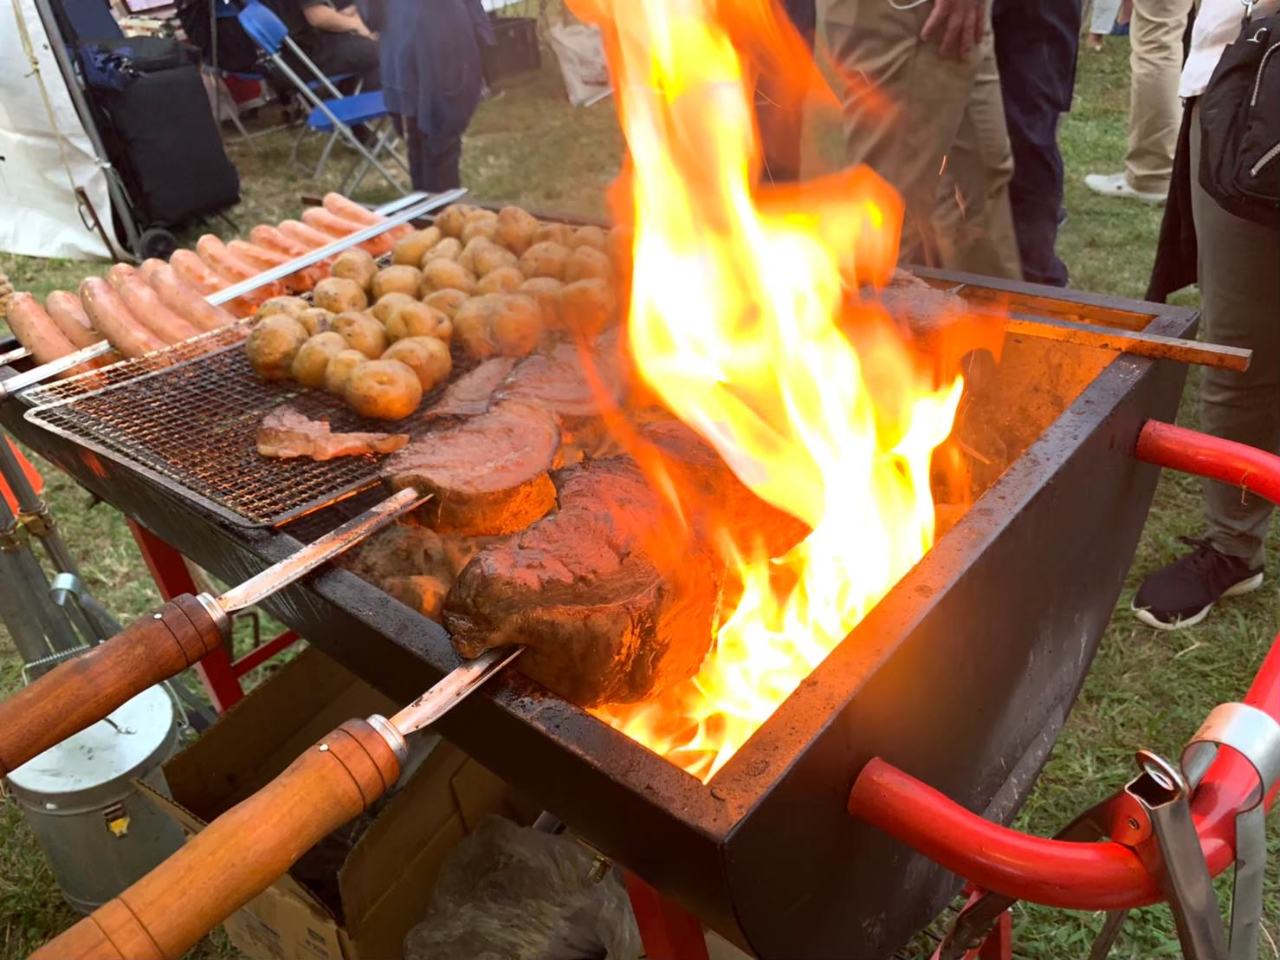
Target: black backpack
{"points": [[1240, 125]]}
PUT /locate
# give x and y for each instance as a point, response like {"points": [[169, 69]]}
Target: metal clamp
{"points": [[1255, 735], [39, 521]]}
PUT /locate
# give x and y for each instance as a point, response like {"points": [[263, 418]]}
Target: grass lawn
{"points": [[1147, 689]]}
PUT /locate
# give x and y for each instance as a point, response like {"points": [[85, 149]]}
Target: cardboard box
{"points": [[386, 881]]}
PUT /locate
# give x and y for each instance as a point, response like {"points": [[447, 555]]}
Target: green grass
{"points": [[1146, 689]]}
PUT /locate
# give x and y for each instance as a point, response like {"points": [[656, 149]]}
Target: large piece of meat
{"points": [[285, 433], [579, 589], [489, 475]]}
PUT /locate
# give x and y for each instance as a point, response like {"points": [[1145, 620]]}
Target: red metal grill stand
{"points": [[667, 930], [217, 671]]}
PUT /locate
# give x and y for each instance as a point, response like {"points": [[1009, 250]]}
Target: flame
{"points": [[747, 321]]}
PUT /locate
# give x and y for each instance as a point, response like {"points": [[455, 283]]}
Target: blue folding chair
{"points": [[335, 114]]}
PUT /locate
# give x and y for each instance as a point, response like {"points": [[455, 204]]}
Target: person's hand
{"points": [[958, 25]]}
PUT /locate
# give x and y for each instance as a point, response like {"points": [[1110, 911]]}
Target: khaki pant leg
{"points": [[974, 218], [1155, 61], [1240, 287], [903, 104]]}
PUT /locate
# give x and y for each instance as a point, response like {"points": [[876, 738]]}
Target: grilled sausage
{"points": [[347, 209], [327, 222], [264, 258], [233, 268], [184, 299], [305, 234], [112, 319], [35, 329], [195, 272], [119, 273], [147, 307], [69, 317], [273, 238]]}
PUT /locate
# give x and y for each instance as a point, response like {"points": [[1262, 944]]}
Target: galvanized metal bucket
{"points": [[79, 798]]}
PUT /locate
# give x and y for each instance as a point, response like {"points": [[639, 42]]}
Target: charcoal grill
{"points": [[963, 674]]}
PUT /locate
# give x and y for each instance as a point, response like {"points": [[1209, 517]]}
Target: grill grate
{"points": [[190, 423]]}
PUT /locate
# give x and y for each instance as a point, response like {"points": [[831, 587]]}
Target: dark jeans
{"points": [[434, 162], [1036, 45], [339, 53]]}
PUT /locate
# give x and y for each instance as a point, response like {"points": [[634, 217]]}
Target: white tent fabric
{"points": [[38, 210]]}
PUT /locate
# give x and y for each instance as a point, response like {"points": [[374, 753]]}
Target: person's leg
{"points": [[339, 53], [419, 158], [1240, 291], [1103, 17], [973, 219], [444, 163], [1155, 36], [1036, 47], [903, 104]]}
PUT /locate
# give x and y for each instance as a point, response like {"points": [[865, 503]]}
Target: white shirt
{"points": [[1217, 24]]}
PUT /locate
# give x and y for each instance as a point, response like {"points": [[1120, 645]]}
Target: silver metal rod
{"points": [[452, 690], [269, 581], [1176, 859]]}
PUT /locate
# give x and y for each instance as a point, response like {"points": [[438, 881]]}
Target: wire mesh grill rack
{"points": [[188, 419]]}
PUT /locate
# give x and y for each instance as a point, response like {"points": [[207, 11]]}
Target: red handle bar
{"points": [[1087, 876]]}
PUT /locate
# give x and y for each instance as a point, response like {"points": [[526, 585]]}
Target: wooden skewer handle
{"points": [[237, 856], [80, 692]]}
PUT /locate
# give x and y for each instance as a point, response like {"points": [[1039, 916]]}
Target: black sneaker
{"points": [[1182, 594]]}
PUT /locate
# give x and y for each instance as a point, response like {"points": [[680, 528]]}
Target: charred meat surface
{"points": [[473, 392], [579, 590], [489, 475], [286, 433]]}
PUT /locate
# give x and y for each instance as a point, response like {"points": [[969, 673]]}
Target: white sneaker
{"points": [[1115, 185]]}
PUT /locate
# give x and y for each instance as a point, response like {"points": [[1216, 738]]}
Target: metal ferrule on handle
{"points": [[1106, 875]]}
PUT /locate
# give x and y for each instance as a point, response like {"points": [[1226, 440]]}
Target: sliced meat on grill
{"points": [[472, 393], [285, 433], [488, 475], [578, 589]]}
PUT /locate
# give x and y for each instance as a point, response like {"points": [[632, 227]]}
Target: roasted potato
{"points": [[411, 249], [273, 344], [450, 248], [290, 306], [387, 305], [453, 218], [316, 320], [312, 359], [447, 301], [397, 279], [590, 236], [546, 290], [362, 333], [425, 356], [587, 262], [420, 591], [419, 320], [502, 280], [356, 265], [560, 233], [516, 229], [338, 373], [482, 223], [446, 275], [473, 326], [492, 257], [544, 259], [383, 390], [587, 306], [517, 326], [339, 295]]}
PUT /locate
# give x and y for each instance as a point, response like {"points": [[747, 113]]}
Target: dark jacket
{"points": [[431, 62]]}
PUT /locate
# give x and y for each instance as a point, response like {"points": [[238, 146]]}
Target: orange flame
{"points": [[745, 318]]}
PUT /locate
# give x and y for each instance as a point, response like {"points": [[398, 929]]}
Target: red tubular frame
{"points": [[1087, 876]]}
